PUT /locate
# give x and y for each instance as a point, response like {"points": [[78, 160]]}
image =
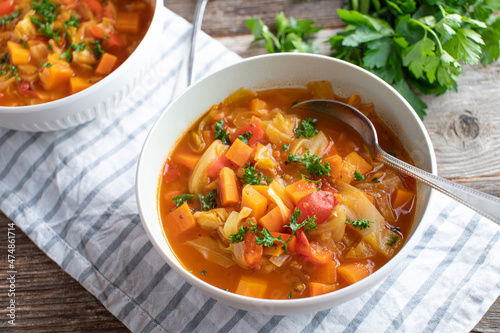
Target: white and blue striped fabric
{"points": [[73, 193]]}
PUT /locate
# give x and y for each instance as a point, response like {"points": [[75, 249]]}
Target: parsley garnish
{"points": [[221, 132], [72, 22], [285, 147], [291, 35], [252, 176], [47, 12], [307, 224], [77, 47], [393, 240], [310, 180], [245, 137], [207, 202], [204, 272], [360, 224], [307, 128], [289, 295], [375, 180], [358, 177], [312, 164], [97, 48], [391, 152], [7, 18]]}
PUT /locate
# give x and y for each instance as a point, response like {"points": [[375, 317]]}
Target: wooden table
{"points": [[464, 127]]}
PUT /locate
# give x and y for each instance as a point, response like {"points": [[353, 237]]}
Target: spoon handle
{"points": [[186, 72], [485, 204]]}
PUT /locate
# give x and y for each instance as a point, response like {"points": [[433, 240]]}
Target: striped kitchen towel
{"points": [[73, 193]]}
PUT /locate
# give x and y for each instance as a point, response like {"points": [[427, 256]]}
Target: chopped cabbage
{"points": [[211, 250], [199, 178]]}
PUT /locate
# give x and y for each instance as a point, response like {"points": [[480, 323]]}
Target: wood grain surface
{"points": [[464, 128]]}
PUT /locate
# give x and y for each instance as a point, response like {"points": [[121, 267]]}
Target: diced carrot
{"points": [[254, 200], [273, 251], [128, 22], [353, 272], [292, 244], [316, 288], [18, 54], [335, 162], [253, 251], [254, 128], [299, 190], [106, 64], [347, 172], [228, 188], [251, 286], [370, 197], [354, 100], [401, 198], [188, 159], [6, 7], [321, 90], [167, 198], [56, 76], [325, 273], [239, 153], [273, 220], [79, 83], [258, 104], [262, 189], [220, 162], [183, 217], [359, 163]]}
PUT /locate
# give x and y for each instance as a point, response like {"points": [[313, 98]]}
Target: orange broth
{"points": [[338, 252], [51, 49]]}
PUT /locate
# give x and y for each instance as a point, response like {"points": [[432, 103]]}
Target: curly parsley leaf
{"points": [[207, 202], [221, 132], [307, 128], [315, 165], [181, 199], [358, 177], [360, 224], [245, 137], [393, 240], [252, 176], [8, 18]]}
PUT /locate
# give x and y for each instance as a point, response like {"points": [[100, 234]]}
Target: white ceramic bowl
{"points": [[95, 101], [265, 72]]}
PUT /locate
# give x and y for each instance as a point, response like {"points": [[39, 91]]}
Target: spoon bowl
{"points": [[485, 204]]}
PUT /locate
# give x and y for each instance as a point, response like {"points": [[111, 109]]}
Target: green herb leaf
{"points": [[209, 201], [285, 147], [307, 128], [245, 137], [181, 199], [238, 237], [204, 272], [358, 177], [393, 240], [221, 132], [8, 18], [252, 176], [375, 180], [315, 165], [360, 224]]}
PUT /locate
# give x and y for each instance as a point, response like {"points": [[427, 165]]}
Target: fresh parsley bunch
{"points": [[290, 36], [419, 43]]}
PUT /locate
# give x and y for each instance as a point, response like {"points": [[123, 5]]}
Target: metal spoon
{"points": [[485, 204], [186, 72]]}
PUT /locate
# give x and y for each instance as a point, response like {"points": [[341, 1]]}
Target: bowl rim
{"points": [[286, 306], [88, 92]]}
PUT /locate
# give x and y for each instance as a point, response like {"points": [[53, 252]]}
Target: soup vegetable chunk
{"points": [[50, 49], [268, 202]]}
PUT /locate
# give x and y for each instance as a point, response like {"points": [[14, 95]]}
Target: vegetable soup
{"points": [[268, 202], [54, 48]]}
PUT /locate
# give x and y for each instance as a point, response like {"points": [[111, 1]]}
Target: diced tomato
{"points": [[253, 251], [220, 162], [109, 11], [170, 172], [25, 89], [313, 251], [254, 128], [318, 203], [6, 7], [113, 41], [95, 6]]}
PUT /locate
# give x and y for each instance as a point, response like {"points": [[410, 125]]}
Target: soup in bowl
{"points": [[259, 204]]}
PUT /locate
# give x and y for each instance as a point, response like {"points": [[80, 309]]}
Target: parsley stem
{"points": [[427, 29]]}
